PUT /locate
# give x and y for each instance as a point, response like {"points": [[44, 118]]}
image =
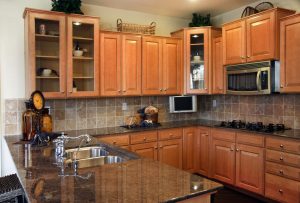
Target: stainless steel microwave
{"points": [[183, 104], [253, 78]]}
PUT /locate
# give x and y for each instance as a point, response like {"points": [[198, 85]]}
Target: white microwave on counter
{"points": [[183, 104]]}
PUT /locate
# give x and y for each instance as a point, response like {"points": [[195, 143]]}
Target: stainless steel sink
{"points": [[86, 152], [97, 161]]}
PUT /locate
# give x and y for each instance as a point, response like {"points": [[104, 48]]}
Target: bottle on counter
{"points": [[28, 122], [46, 121]]}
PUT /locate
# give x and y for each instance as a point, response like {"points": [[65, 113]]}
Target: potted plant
{"points": [[67, 6]]}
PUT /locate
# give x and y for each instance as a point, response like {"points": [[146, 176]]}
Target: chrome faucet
{"points": [[62, 140]]}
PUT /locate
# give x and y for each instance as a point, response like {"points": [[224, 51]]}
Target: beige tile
{"points": [[80, 103], [70, 113], [81, 113], [91, 103], [119, 111], [259, 109], [162, 100], [243, 108], [227, 108], [251, 109], [91, 123], [101, 123], [289, 100], [101, 102], [297, 110], [11, 129], [59, 125], [81, 124], [119, 120], [235, 99], [289, 110], [111, 111], [278, 99], [59, 114], [49, 103], [71, 104], [110, 121], [91, 112], [21, 105], [11, 105], [59, 104], [268, 109], [288, 121], [278, 110], [297, 122], [111, 101], [70, 124], [10, 118], [101, 112], [244, 99]]}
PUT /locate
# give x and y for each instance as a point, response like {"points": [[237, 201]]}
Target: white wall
{"points": [[236, 14]]}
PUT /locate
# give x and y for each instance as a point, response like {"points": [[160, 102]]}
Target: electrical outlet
{"points": [[214, 103], [124, 106]]}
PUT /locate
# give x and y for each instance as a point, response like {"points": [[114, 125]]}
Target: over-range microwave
{"points": [[253, 78], [183, 104]]}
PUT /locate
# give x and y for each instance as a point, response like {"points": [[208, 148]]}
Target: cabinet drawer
{"points": [[221, 134], [282, 189], [250, 139], [283, 145], [283, 171], [175, 133], [143, 137], [119, 140], [283, 158]]}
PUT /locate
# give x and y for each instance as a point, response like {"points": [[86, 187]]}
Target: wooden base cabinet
{"points": [[249, 168], [146, 150], [202, 151], [190, 149], [218, 71], [170, 152]]}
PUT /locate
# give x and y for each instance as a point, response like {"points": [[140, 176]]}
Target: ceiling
{"points": [[175, 8]]}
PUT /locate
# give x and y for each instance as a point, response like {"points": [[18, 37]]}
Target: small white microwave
{"points": [[183, 104]]}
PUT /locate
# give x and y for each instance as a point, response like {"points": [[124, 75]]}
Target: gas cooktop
{"points": [[254, 126]]}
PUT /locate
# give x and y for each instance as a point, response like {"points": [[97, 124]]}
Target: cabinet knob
{"points": [[281, 146], [237, 150], [70, 91], [155, 147], [281, 86], [281, 158], [161, 90], [62, 91], [280, 190], [114, 142], [220, 88], [124, 90], [165, 89], [248, 56], [281, 172], [160, 146], [145, 139], [205, 88], [243, 57], [119, 91]]}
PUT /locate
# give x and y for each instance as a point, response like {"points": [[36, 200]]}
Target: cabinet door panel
{"points": [[218, 69], [146, 150], [249, 168], [203, 151], [170, 152], [110, 64], [234, 41], [190, 149], [83, 71], [289, 55], [223, 161], [131, 65], [152, 66], [261, 37], [172, 66]]}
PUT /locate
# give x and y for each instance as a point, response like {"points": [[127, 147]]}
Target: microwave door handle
{"points": [[258, 80]]}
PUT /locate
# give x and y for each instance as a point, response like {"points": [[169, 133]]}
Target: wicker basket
{"points": [[135, 28]]}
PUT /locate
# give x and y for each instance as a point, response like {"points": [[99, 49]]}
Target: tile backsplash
{"points": [[277, 108], [78, 114]]}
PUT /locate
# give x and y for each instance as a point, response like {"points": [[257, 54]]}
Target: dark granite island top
{"points": [[137, 180]]}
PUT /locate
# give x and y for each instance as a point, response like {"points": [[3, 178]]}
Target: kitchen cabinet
{"points": [[203, 151], [197, 58], [146, 150], [118, 140], [120, 64], [170, 152], [223, 161], [50, 39], [190, 148], [250, 168], [161, 66], [218, 76], [289, 54], [254, 38]]}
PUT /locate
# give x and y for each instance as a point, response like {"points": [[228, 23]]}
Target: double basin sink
{"points": [[91, 156]]}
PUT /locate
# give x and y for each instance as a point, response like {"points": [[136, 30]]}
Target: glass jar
{"points": [[46, 121], [28, 122]]}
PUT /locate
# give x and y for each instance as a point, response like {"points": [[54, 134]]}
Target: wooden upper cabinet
{"points": [[223, 161], [110, 74], [254, 38], [161, 66], [170, 152], [120, 64], [172, 75], [45, 50], [218, 76], [234, 42], [261, 37], [250, 168], [152, 66], [83, 70], [131, 65], [289, 54]]}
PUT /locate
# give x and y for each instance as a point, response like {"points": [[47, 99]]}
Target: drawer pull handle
{"points": [[281, 158], [160, 146], [145, 139], [114, 142], [281, 172], [237, 150], [155, 147], [280, 190]]}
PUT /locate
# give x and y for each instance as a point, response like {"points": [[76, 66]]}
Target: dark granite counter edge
{"points": [[196, 194], [102, 132]]}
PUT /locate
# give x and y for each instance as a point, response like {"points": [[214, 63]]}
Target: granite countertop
{"points": [[137, 180], [100, 132]]}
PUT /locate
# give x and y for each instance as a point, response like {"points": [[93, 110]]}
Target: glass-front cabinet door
{"points": [[83, 56], [197, 61], [45, 46]]}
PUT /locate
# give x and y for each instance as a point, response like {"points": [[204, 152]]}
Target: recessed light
{"points": [[195, 36], [77, 23]]}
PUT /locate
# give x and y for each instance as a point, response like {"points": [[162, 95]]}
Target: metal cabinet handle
{"points": [[280, 190]]}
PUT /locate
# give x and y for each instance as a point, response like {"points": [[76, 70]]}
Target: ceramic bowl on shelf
{"points": [[46, 72], [77, 53]]}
